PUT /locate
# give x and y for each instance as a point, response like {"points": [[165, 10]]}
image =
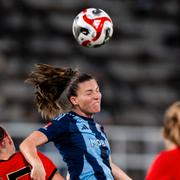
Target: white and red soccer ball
{"points": [[92, 27]]}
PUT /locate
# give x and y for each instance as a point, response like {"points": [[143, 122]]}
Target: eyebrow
{"points": [[90, 90]]}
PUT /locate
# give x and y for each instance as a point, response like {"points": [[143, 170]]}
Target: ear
{"points": [[74, 100]]}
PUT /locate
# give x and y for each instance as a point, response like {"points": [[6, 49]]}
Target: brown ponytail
{"points": [[172, 123], [50, 82]]}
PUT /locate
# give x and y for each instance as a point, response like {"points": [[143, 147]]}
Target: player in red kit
{"points": [[13, 164], [166, 165]]}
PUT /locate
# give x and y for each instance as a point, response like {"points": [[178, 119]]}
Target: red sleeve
{"points": [[49, 166], [158, 167]]}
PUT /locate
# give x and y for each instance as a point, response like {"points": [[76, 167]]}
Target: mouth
{"points": [[98, 102]]}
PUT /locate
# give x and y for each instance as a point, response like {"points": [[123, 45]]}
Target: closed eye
{"points": [[89, 93]]}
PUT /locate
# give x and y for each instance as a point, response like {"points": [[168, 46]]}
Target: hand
{"points": [[38, 172]]}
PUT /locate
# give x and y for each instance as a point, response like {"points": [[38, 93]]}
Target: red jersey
{"points": [[16, 167], [166, 166]]}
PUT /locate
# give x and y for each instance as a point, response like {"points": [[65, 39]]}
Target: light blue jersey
{"points": [[82, 144]]}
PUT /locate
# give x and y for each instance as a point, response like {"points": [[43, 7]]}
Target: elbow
{"points": [[32, 142], [26, 144], [22, 146]]}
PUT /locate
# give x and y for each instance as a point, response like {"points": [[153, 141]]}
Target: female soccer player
{"points": [[167, 163], [79, 139], [13, 164]]}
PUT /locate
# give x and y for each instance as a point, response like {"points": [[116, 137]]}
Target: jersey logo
{"points": [[47, 125], [97, 142], [84, 127]]}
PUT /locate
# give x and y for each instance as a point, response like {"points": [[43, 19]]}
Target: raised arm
{"points": [[29, 149], [118, 174]]}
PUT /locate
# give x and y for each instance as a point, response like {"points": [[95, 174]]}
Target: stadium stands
{"points": [[138, 69]]}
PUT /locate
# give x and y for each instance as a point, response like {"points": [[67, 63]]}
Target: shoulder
{"points": [[169, 154], [17, 155], [56, 126], [162, 165], [162, 156], [157, 167], [162, 160], [62, 118], [58, 120], [166, 158], [17, 158]]}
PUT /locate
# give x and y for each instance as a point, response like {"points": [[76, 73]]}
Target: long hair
{"points": [[171, 127], [3, 134], [50, 83]]}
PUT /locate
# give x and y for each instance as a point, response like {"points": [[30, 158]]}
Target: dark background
{"points": [[138, 69]]}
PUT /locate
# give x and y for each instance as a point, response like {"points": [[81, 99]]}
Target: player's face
{"points": [[2, 136], [9, 143], [88, 99]]}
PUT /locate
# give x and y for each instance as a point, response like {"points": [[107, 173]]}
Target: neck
{"points": [[84, 114], [170, 145], [6, 155]]}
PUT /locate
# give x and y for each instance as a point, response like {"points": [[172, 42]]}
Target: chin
{"points": [[97, 110]]}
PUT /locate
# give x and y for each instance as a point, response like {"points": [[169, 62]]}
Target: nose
{"points": [[97, 95]]}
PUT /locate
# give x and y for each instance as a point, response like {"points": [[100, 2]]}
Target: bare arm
{"points": [[29, 149], [118, 174], [57, 176]]}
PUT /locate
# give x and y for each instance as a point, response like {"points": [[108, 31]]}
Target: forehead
{"points": [[87, 85]]}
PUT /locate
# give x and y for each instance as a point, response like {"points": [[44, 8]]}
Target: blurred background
{"points": [[138, 69]]}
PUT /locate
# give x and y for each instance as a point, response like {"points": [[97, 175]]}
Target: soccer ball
{"points": [[92, 27]]}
